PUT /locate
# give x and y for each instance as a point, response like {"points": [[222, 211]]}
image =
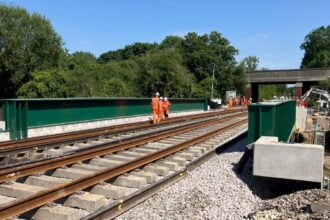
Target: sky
{"points": [[272, 30]]}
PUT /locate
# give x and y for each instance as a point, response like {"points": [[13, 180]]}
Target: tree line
{"points": [[34, 63]]}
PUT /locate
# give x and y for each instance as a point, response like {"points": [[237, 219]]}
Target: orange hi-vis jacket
{"points": [[166, 105], [155, 104], [160, 108]]}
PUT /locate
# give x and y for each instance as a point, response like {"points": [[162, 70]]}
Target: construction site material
{"points": [[288, 161]]}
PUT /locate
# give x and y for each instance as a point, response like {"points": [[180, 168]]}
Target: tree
{"points": [[83, 74], [44, 84], [171, 42], [317, 48], [201, 52], [251, 63], [164, 72], [28, 43], [129, 52]]}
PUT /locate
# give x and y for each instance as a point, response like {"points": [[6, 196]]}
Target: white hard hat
{"points": [[165, 98], [157, 94], [161, 98]]}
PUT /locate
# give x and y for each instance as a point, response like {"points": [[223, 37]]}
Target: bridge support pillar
{"points": [[255, 92], [299, 89], [248, 91]]}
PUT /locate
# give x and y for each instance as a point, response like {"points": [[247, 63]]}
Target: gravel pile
{"points": [[307, 204], [212, 191]]}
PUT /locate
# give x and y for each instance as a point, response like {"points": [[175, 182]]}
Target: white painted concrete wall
{"points": [[4, 136], [288, 161]]}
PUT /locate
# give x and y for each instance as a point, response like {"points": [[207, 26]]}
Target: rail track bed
{"points": [[46, 147], [103, 181]]}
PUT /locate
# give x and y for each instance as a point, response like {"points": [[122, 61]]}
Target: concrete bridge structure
{"points": [[302, 78]]}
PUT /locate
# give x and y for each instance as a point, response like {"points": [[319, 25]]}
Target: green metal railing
{"points": [[22, 114], [271, 119]]}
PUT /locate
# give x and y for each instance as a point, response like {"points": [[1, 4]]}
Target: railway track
{"points": [[103, 171], [46, 147]]}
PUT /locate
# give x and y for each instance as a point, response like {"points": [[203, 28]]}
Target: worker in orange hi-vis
{"points": [[160, 110], [155, 107], [237, 101], [242, 101], [230, 103], [166, 107]]}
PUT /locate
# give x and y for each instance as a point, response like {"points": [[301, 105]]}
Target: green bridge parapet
{"points": [[21, 114]]}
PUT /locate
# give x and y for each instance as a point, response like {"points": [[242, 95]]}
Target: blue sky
{"points": [[269, 29]]}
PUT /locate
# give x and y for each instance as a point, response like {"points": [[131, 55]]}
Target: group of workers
{"points": [[242, 101], [160, 108]]}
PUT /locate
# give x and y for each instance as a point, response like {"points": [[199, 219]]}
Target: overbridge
{"points": [[302, 78]]}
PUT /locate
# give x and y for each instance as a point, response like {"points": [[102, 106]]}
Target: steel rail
{"points": [[15, 172], [9, 146], [119, 207], [18, 207]]}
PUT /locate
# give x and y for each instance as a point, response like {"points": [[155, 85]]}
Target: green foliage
{"points": [[269, 91], [44, 84], [164, 72], [317, 48], [175, 42], [201, 52], [251, 63], [129, 52], [325, 85], [28, 43]]}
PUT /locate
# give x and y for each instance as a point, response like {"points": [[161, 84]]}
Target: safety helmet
{"points": [[165, 99], [161, 98], [157, 94]]}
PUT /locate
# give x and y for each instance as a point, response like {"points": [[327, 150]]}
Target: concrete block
{"points": [[151, 177], [130, 181], [69, 148], [19, 190], [131, 154], [53, 152], [169, 164], [187, 156], [159, 170], [177, 159], [57, 212], [45, 181], [302, 162], [6, 199], [109, 191], [86, 201], [171, 141], [193, 151], [156, 145], [71, 173], [144, 150], [105, 162], [88, 167], [119, 158], [36, 155]]}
